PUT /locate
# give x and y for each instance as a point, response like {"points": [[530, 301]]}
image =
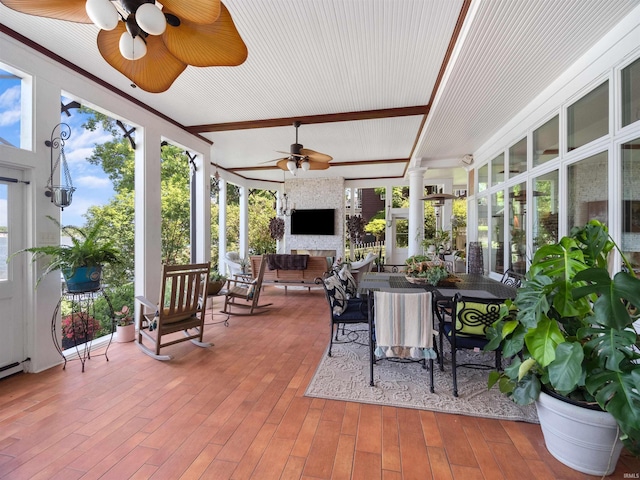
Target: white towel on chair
{"points": [[404, 325]]}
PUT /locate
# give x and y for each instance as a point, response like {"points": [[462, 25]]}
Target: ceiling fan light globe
{"points": [[151, 19], [306, 166], [291, 166], [132, 48], [103, 13]]}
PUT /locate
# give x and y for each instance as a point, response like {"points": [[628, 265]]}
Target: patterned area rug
{"points": [[345, 376]]}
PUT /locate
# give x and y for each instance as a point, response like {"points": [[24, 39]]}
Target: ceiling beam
{"points": [[334, 164], [309, 119]]}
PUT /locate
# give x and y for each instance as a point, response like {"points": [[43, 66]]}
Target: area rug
{"points": [[345, 376]]}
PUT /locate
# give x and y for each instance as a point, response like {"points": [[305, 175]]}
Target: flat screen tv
{"points": [[313, 222]]}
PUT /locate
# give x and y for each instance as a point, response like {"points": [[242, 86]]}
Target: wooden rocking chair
{"points": [[182, 305], [246, 291]]}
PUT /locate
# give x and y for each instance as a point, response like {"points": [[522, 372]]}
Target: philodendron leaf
{"points": [[618, 393], [609, 309], [566, 370], [527, 390], [543, 340], [525, 367]]}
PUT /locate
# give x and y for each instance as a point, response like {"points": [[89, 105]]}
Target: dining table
{"points": [[466, 284]]}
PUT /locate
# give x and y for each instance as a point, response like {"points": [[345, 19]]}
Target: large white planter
{"points": [[583, 439]]}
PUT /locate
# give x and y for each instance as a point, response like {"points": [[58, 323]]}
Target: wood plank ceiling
{"points": [[377, 84]]}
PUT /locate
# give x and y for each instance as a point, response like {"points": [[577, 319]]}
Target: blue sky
{"points": [[93, 187]]}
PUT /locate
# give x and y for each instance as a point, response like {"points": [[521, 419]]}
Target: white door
{"points": [[400, 239], [12, 287]]}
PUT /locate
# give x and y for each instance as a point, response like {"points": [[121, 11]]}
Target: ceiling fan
{"points": [[150, 43], [300, 157]]}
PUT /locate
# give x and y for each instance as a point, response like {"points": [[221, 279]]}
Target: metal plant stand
{"points": [[82, 325]]}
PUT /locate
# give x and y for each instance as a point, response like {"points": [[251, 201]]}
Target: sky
{"points": [[93, 187]]}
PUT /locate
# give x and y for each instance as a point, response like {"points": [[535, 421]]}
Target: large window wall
{"points": [[579, 162]]}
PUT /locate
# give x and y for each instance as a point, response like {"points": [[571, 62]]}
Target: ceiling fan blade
{"points": [[316, 156], [214, 44], [315, 165], [274, 160], [155, 72], [69, 10], [196, 11]]}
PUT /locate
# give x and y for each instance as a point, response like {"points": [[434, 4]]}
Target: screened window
{"points": [[4, 232], [631, 93], [545, 142], [588, 118]]}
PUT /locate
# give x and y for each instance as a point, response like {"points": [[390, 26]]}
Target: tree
{"points": [[376, 227]]}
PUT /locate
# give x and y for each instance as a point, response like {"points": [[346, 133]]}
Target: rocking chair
{"points": [[182, 305], [245, 294]]}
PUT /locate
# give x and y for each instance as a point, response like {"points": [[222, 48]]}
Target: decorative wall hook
{"points": [[60, 194]]}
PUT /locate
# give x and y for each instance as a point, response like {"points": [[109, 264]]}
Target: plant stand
{"points": [[82, 314]]}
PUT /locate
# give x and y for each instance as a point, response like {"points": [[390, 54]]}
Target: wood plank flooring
{"points": [[238, 411]]}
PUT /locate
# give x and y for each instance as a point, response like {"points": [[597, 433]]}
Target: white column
{"points": [[222, 225], [416, 211], [244, 221], [203, 208], [148, 219], [388, 232]]}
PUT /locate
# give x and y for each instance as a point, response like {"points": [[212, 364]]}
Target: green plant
{"points": [[123, 316], [440, 240], [420, 266], [570, 330], [89, 248], [215, 276]]}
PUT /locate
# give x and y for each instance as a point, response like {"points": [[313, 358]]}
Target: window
{"points": [[4, 232], [10, 108], [497, 170], [587, 193], [497, 237], [631, 93], [483, 232], [588, 118], [631, 202], [518, 158], [545, 209], [545, 142], [483, 178], [517, 228]]}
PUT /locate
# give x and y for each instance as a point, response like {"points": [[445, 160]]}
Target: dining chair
{"points": [[342, 310], [470, 319], [512, 278], [181, 308], [402, 329]]}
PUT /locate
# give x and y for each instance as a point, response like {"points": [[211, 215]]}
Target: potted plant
{"points": [[81, 262], [421, 269], [125, 326], [570, 332], [216, 282], [78, 328]]}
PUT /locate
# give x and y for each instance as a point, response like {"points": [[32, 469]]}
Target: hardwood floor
{"points": [[238, 411]]}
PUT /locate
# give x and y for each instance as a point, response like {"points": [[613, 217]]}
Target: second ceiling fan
{"points": [[304, 158]]}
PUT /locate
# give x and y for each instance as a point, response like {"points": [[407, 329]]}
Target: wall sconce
{"points": [[284, 206], [60, 194]]}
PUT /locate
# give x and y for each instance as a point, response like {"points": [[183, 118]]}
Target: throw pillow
{"points": [[252, 290], [348, 282], [337, 294]]}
